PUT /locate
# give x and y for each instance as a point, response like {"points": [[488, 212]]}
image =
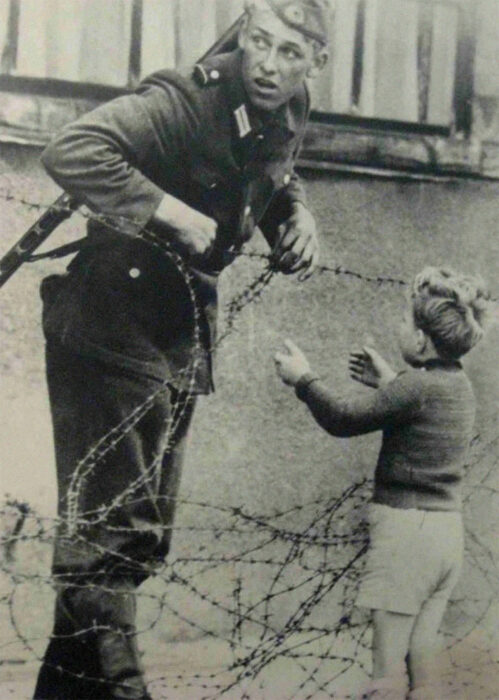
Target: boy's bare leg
{"points": [[423, 648], [391, 635]]}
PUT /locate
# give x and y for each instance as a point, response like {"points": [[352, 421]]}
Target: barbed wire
{"points": [[336, 269], [8, 196], [304, 566], [309, 557]]}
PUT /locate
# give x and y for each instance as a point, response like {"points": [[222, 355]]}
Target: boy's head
{"points": [[448, 309]]}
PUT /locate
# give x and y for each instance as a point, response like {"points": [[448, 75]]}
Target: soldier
{"points": [[200, 160]]}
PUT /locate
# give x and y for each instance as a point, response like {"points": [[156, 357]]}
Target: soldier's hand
{"points": [[297, 247], [193, 232]]}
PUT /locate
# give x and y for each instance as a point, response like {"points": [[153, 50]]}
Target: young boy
{"points": [[426, 414]]}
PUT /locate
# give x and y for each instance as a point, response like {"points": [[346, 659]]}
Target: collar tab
{"points": [[242, 120]]}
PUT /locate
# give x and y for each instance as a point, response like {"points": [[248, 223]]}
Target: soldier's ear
{"points": [[319, 61]]}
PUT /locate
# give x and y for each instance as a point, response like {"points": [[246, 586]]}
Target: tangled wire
{"points": [[291, 630]]}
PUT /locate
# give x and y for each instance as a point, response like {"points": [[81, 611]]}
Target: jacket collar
{"points": [[439, 363], [282, 123]]}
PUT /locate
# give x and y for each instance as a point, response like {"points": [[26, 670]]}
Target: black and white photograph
{"points": [[249, 376]]}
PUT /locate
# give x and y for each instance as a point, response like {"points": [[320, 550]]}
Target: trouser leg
{"points": [[116, 515], [93, 650]]}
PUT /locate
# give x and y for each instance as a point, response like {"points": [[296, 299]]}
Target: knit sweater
{"points": [[427, 418]]}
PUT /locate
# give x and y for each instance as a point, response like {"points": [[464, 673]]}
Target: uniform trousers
{"points": [[119, 441]]}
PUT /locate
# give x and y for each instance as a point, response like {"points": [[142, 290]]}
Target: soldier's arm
{"points": [[288, 224], [281, 207], [294, 192], [291, 232], [107, 158]]}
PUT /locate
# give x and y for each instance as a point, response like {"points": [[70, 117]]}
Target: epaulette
{"points": [[205, 76]]}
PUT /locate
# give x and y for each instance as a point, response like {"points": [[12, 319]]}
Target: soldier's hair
{"points": [[452, 309]]}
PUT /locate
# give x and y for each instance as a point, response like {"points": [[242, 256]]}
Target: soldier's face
{"points": [[276, 59]]}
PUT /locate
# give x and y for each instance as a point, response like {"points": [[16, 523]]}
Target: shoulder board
{"points": [[168, 79], [204, 75]]}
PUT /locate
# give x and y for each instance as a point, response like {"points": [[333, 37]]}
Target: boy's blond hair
{"points": [[450, 308]]}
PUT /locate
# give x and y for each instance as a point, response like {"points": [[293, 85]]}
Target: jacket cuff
{"points": [[301, 386], [295, 193]]}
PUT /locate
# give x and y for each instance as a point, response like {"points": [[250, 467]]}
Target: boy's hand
{"points": [[290, 367], [368, 367]]}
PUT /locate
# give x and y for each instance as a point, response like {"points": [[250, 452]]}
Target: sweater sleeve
{"points": [[104, 157], [397, 403]]}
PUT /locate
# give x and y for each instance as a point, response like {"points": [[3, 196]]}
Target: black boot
{"points": [[93, 653], [120, 665], [70, 670]]}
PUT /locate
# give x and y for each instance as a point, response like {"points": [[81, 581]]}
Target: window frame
{"points": [[463, 91]]}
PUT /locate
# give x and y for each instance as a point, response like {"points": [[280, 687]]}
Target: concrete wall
{"points": [[253, 445]]}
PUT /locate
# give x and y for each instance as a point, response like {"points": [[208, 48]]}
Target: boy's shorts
{"points": [[414, 555]]}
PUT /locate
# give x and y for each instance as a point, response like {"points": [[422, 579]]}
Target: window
{"points": [[403, 62]]}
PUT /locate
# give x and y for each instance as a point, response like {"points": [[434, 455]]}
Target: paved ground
{"points": [[195, 670]]}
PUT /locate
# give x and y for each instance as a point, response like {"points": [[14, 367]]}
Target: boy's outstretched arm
{"points": [[397, 402]]}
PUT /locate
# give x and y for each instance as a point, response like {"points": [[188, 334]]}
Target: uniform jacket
{"points": [[196, 137]]}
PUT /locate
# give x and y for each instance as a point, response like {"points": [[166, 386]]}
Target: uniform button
{"points": [[247, 211], [134, 272], [260, 137], [287, 179], [214, 74]]}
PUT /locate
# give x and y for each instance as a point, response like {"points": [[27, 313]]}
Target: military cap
{"points": [[309, 17]]}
